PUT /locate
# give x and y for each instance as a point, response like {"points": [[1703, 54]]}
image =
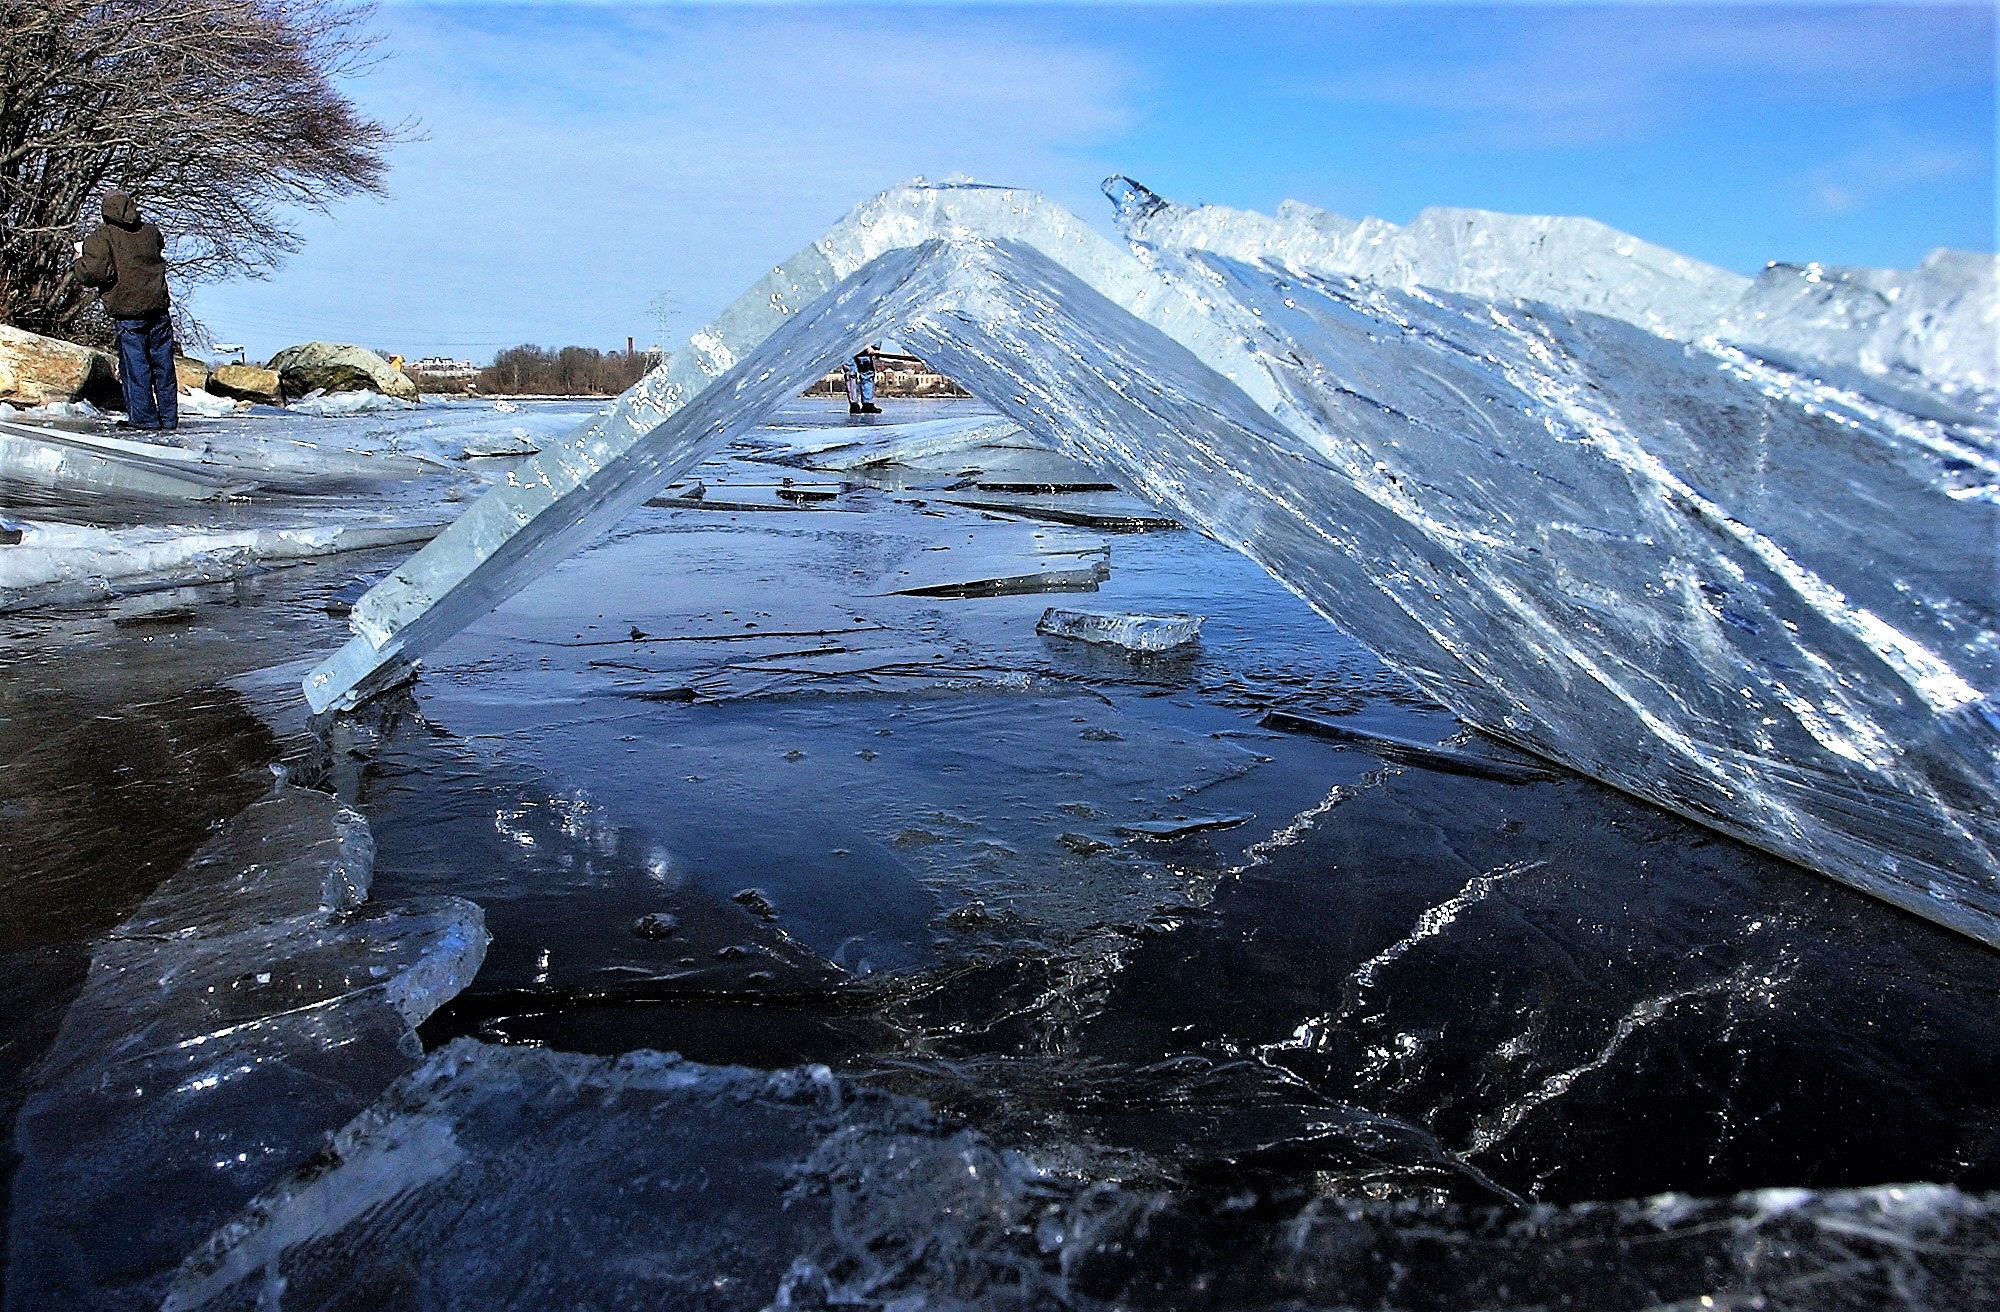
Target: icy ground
{"points": [[105, 512], [1006, 967]]}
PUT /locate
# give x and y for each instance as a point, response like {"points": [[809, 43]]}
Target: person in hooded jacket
{"points": [[124, 256]]}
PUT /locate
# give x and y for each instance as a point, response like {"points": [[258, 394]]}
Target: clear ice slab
{"points": [[251, 1005], [663, 1184], [1142, 633], [1742, 592]]}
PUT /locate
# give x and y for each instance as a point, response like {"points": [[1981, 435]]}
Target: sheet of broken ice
{"points": [[198, 463], [902, 443], [733, 672], [57, 564], [246, 1009], [966, 774], [77, 459], [89, 465], [1761, 601], [334, 405], [676, 1184], [1141, 633]]}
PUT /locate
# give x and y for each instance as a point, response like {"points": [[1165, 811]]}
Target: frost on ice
{"points": [[1601, 500]]}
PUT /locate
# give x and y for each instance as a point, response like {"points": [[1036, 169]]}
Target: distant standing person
{"points": [[850, 378], [125, 257], [864, 369]]}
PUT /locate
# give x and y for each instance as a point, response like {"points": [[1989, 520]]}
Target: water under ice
{"points": [[1143, 633], [250, 1005], [1736, 590]]}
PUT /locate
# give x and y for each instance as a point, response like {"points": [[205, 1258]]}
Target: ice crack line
{"points": [[1436, 920], [1259, 853], [1314, 1033], [1492, 1129]]}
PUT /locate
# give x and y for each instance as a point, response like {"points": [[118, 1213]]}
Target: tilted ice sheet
{"points": [[1576, 525], [1755, 598], [246, 1009], [1572, 263]]}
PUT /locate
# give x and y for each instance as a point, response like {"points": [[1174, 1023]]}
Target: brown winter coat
{"points": [[124, 256]]}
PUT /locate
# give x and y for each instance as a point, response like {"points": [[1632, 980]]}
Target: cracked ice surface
{"points": [[248, 1007], [1749, 594], [674, 1184]]}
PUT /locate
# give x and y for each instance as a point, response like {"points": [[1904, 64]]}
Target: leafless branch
{"points": [[222, 117]]}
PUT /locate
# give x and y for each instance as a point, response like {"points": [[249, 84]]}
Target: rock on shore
{"points": [[190, 373], [37, 370], [336, 367], [246, 382]]}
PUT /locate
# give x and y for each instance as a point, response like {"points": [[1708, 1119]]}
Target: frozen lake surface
{"points": [[1005, 967]]}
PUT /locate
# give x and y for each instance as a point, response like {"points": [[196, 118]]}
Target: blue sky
{"points": [[574, 162]]}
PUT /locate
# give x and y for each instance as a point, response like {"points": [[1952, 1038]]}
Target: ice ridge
{"points": [[1574, 263], [1755, 597], [1915, 337]]}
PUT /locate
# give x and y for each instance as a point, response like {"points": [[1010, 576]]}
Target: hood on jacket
{"points": [[121, 209]]}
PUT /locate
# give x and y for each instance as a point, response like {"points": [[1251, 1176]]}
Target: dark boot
{"points": [[854, 407], [870, 408]]}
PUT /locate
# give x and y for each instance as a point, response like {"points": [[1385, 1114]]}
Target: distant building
{"points": [[895, 375], [438, 366]]}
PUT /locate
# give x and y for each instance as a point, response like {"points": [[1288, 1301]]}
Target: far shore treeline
{"points": [[530, 370]]}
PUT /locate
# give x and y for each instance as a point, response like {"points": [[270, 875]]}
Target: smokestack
{"points": [[628, 348]]}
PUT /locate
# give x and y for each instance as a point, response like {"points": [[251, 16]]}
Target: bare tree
{"points": [[568, 371], [220, 116]]}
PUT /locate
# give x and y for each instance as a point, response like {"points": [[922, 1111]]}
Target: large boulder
{"points": [[36, 370], [246, 382], [334, 367], [190, 373]]}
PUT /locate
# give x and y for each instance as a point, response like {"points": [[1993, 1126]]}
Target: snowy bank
{"points": [[62, 564]]}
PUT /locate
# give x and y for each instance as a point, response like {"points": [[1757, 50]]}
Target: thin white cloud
{"points": [[576, 163], [1598, 75], [1862, 177]]}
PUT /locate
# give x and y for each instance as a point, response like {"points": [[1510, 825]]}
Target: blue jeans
{"points": [[146, 368], [867, 386]]}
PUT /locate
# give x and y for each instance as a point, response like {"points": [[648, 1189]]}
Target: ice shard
{"points": [[248, 1007], [1138, 633], [1738, 589]]}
